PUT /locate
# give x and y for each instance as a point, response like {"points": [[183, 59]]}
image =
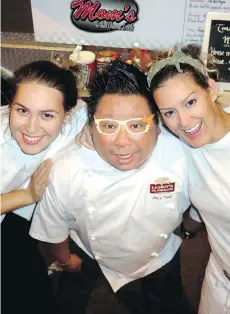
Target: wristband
{"points": [[64, 264]]}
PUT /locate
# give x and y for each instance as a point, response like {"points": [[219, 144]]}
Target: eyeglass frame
{"points": [[147, 120]]}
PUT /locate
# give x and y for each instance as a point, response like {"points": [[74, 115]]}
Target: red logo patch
{"points": [[162, 188]]}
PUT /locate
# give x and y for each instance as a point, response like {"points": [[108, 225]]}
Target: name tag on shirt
{"points": [[162, 187]]}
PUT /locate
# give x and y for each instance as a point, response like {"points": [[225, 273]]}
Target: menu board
{"points": [[195, 17], [217, 43]]}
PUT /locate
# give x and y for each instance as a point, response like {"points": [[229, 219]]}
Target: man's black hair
{"points": [[123, 79]]}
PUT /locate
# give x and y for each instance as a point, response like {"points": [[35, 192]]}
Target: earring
{"points": [[63, 128]]}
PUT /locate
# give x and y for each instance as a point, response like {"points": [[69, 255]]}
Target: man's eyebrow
{"points": [[17, 103], [49, 110], [166, 109]]}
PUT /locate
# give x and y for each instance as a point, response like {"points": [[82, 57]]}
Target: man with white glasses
{"points": [[119, 204]]}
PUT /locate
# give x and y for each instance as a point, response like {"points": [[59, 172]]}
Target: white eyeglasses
{"points": [[133, 126]]}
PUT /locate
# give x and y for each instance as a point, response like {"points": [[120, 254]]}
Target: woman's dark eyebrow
{"points": [[183, 101], [42, 111], [187, 97]]}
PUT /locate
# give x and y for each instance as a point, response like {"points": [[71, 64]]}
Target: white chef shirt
{"points": [[17, 167], [116, 216], [209, 190]]}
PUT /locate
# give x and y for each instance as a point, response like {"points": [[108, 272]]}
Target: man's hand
{"points": [[39, 182], [74, 264], [84, 138]]}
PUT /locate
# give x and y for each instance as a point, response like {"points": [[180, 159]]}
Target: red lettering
{"points": [[119, 16], [114, 15], [95, 7], [109, 15], [131, 17], [101, 14], [75, 4], [91, 11], [85, 10]]}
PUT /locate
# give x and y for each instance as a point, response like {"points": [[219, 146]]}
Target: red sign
{"points": [[162, 188], [104, 15]]}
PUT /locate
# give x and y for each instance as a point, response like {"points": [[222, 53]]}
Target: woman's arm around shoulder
{"points": [[19, 198]]}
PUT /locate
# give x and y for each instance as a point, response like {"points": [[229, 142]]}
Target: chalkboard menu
{"points": [[219, 46], [217, 43]]}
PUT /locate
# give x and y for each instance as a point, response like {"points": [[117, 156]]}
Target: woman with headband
{"points": [[189, 104]]}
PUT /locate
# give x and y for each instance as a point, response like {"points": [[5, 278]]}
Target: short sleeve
{"points": [[51, 219]]}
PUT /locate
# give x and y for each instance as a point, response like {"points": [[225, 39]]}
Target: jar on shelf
{"points": [[105, 57]]}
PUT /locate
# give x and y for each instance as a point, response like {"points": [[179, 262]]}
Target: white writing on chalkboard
{"points": [[215, 52], [221, 28], [226, 40], [219, 44]]}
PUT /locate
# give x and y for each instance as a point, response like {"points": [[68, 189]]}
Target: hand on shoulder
{"points": [[39, 181]]}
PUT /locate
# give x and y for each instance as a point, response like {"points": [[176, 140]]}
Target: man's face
{"points": [[123, 150]]}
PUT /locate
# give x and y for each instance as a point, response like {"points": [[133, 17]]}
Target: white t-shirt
{"points": [[209, 190], [124, 219], [17, 167]]}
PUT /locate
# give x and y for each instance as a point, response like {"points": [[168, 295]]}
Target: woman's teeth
{"points": [[32, 139], [194, 129], [124, 156]]}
